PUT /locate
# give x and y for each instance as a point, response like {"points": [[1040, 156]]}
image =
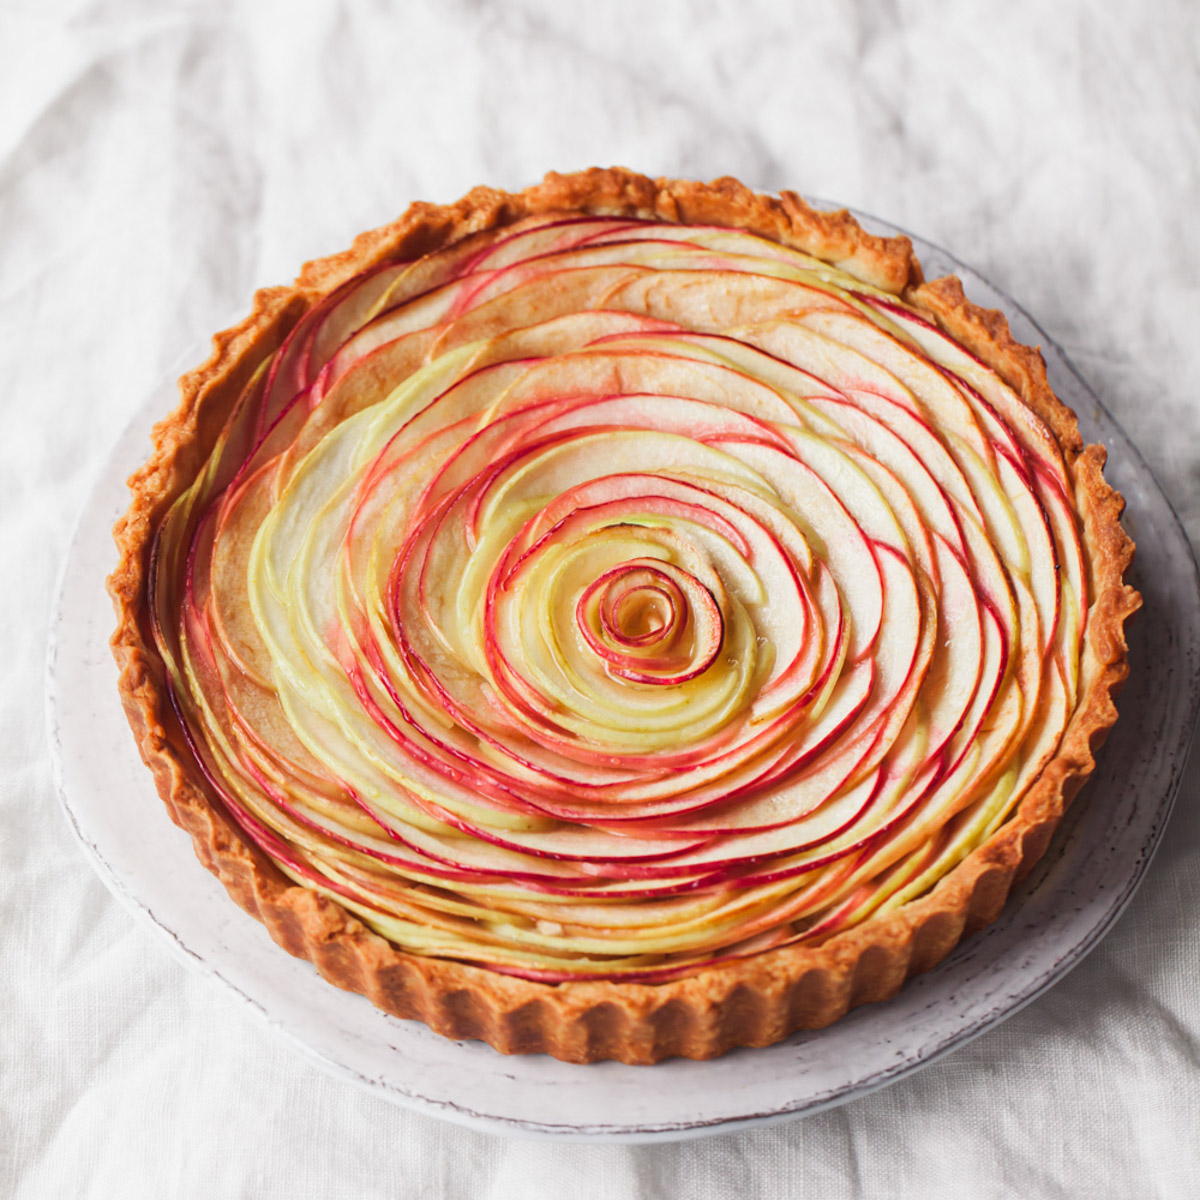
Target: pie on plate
{"points": [[621, 619]]}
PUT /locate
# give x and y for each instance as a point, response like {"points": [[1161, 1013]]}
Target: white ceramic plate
{"points": [[1071, 899]]}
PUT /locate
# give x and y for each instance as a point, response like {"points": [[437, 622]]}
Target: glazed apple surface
{"points": [[603, 597]]}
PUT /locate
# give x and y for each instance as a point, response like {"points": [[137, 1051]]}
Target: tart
{"points": [[621, 619]]}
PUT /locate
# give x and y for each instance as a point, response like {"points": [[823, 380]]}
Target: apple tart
{"points": [[621, 619]]}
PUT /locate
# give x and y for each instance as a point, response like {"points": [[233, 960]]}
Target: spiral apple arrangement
{"points": [[602, 598]]}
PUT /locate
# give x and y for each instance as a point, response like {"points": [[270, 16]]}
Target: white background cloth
{"points": [[159, 161]]}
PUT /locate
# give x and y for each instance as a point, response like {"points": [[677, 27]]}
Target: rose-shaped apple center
{"points": [[651, 624], [640, 616]]}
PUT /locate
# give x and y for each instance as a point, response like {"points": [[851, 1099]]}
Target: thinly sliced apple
{"points": [[602, 598]]}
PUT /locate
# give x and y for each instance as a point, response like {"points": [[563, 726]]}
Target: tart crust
{"points": [[748, 1002]]}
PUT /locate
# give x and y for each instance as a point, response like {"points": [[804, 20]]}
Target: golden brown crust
{"points": [[750, 1002]]}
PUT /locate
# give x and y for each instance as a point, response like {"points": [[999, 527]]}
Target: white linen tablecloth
{"points": [[159, 161]]}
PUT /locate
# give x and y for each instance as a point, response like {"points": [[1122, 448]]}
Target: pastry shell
{"points": [[748, 1002]]}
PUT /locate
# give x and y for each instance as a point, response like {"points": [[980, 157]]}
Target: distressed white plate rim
{"points": [[1071, 899]]}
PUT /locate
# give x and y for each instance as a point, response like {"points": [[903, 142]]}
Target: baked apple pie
{"points": [[621, 619]]}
